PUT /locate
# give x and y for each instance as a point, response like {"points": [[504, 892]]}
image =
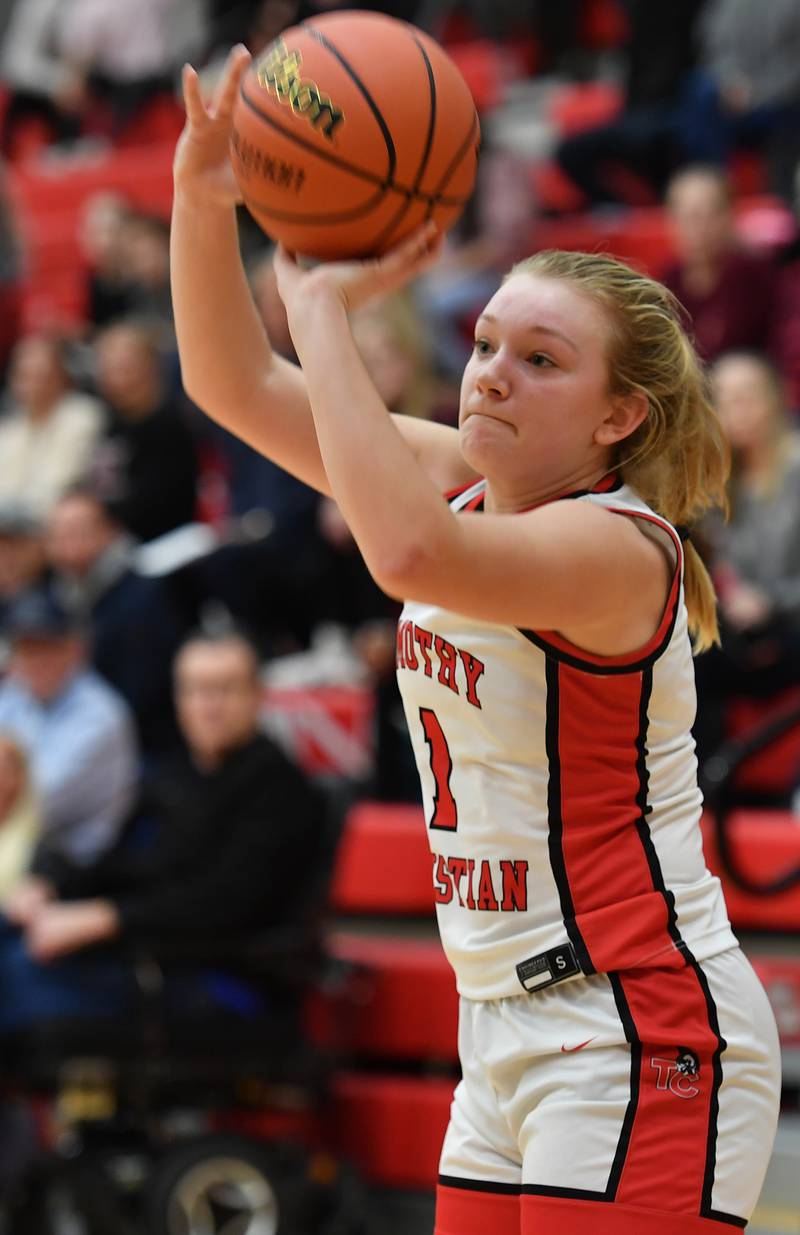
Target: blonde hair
{"points": [[677, 459], [780, 443], [398, 321]]}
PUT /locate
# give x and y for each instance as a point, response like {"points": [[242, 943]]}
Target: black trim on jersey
{"points": [[478, 1185], [556, 821], [614, 488], [642, 826], [453, 495], [604, 670], [632, 1036], [706, 1210], [718, 1216], [657, 876], [567, 1194]]}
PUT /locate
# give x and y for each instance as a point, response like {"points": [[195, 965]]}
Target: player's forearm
{"points": [[393, 509], [223, 346]]}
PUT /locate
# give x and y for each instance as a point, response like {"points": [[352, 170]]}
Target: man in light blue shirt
{"points": [[77, 731]]}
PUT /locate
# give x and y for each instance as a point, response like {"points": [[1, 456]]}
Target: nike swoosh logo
{"points": [[569, 1050]]}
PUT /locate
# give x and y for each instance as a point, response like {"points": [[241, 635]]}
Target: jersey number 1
{"points": [[445, 811]]}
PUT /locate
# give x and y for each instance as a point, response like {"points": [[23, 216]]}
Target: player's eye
{"points": [[541, 361], [482, 347]]}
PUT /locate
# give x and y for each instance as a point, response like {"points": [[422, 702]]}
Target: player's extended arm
{"points": [[228, 366], [227, 363]]}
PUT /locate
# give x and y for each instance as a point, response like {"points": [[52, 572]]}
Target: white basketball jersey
{"points": [[560, 792]]}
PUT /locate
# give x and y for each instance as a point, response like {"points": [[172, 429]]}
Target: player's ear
{"points": [[626, 414]]}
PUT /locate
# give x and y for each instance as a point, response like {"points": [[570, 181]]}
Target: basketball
{"points": [[350, 131]]}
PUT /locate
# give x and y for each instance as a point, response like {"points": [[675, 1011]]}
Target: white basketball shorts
{"points": [[622, 1103]]}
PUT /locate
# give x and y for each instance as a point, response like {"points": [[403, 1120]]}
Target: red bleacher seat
{"points": [[583, 106], [48, 197], [767, 844], [603, 24], [383, 865], [392, 1126], [487, 67], [775, 770], [407, 1006]]}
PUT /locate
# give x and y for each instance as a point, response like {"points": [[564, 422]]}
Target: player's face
{"points": [[535, 389]]}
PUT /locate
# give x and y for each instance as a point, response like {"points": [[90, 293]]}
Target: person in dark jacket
{"points": [[237, 828], [642, 138], [727, 292], [144, 465], [134, 622]]}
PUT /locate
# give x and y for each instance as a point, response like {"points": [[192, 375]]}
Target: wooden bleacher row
{"points": [[391, 1120]]}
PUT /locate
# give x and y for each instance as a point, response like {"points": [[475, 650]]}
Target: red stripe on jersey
{"points": [[552, 638], [622, 915], [453, 493], [467, 1211], [545, 1215], [667, 1159]]}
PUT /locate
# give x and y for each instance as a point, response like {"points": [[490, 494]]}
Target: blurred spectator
{"points": [[785, 337], [127, 257], [395, 349], [254, 482], [495, 232], [133, 626], [22, 557], [43, 86], [48, 434], [145, 247], [747, 89], [643, 138], [144, 467], [728, 293], [76, 730], [20, 816], [63, 57], [238, 833], [755, 556], [102, 240], [10, 269]]}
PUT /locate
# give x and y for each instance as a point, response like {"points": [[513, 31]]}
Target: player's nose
{"points": [[493, 378]]}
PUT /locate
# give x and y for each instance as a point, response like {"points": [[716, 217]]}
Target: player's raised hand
{"points": [[202, 168], [356, 282]]}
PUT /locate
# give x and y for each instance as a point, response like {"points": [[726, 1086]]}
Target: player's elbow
{"points": [[406, 569]]}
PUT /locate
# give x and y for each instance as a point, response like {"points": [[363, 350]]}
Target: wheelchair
{"points": [[175, 1123]]}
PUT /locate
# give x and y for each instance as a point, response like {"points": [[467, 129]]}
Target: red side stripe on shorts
{"points": [[666, 1161]]}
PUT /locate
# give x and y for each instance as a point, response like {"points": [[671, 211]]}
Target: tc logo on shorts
{"points": [[678, 1075]]}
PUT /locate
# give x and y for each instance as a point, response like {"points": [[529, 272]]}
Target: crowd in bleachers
{"points": [[669, 133]]}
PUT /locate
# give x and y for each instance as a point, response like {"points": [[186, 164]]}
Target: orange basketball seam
{"points": [[456, 159], [383, 237], [345, 216], [373, 106]]}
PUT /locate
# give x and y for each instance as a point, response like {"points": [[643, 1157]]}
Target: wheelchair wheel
{"points": [[225, 1185]]}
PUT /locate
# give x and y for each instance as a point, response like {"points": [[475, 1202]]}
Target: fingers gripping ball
{"points": [[349, 132]]}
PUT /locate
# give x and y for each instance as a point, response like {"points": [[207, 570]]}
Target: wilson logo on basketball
{"points": [[279, 72]]}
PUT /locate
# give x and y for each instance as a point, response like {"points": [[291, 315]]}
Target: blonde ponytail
{"points": [[677, 460]]}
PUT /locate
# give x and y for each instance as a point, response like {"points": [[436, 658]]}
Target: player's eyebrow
{"points": [[536, 328]]}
